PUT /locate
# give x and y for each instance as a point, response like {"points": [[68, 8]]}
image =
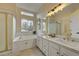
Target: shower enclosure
{"points": [[6, 31]]}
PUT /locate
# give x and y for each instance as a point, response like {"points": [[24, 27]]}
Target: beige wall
{"points": [[8, 7], [18, 20]]}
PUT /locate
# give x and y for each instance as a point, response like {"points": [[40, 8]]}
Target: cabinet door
{"points": [[2, 32], [53, 52], [45, 46], [53, 49], [37, 42], [68, 52], [40, 43]]}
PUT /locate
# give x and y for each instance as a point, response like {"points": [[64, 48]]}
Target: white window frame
{"points": [[26, 13], [28, 24]]}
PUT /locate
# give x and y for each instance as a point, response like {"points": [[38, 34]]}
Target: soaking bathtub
{"points": [[24, 42]]}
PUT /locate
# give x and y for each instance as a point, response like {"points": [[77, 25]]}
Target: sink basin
{"points": [[58, 39], [68, 42]]}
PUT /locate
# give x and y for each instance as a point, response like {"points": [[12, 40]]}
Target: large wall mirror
{"points": [[74, 26], [54, 27]]}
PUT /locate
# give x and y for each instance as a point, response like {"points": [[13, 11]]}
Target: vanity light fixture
{"points": [[57, 8], [50, 13]]}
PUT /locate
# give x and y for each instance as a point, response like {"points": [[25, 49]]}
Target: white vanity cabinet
{"points": [[53, 49], [68, 52], [45, 46]]}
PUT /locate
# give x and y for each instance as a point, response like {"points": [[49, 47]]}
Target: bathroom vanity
{"points": [[57, 46]]}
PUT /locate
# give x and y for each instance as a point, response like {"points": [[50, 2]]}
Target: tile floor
{"points": [[30, 52]]}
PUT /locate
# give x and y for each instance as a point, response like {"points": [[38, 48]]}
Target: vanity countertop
{"points": [[60, 41]]}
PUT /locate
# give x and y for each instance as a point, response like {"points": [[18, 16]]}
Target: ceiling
{"points": [[40, 9], [33, 7]]}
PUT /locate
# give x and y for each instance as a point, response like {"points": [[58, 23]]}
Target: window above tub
{"points": [[26, 25]]}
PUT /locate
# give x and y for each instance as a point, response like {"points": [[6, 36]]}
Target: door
{"points": [[2, 32]]}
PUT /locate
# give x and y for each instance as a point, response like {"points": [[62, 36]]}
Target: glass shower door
{"points": [[6, 32]]}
